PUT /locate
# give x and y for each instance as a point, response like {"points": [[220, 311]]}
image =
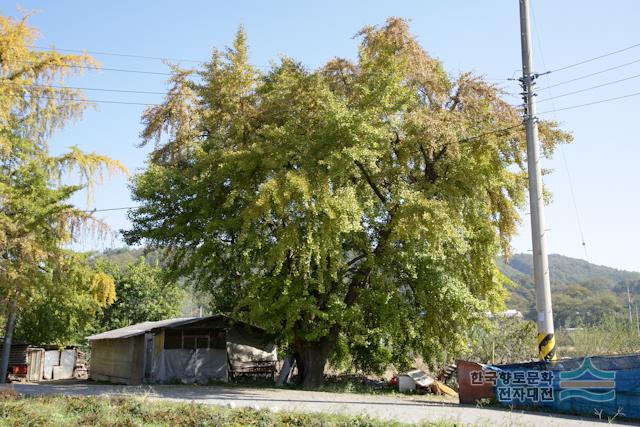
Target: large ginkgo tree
{"points": [[355, 210]]}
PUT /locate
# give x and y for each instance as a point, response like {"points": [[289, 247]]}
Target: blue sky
{"points": [[482, 36]]}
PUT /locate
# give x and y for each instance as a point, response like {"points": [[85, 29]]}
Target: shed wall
{"points": [[137, 359], [153, 356], [117, 360]]}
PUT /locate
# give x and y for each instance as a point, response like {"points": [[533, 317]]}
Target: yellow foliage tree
{"points": [[36, 218]]}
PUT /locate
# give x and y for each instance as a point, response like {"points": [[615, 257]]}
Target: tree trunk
{"points": [[8, 338], [311, 358]]}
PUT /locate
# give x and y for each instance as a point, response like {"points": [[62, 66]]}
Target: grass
{"points": [[611, 336], [112, 411]]}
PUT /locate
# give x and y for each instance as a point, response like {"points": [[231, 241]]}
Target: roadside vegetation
{"points": [[102, 411], [584, 294], [502, 341], [43, 283], [613, 335]]}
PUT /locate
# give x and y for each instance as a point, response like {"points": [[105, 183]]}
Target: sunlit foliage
{"points": [[362, 203], [37, 221]]}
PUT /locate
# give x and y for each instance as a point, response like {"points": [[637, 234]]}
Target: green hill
{"points": [[582, 292], [194, 303], [124, 256]]}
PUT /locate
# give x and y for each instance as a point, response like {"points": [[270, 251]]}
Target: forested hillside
{"points": [[583, 293], [193, 304]]}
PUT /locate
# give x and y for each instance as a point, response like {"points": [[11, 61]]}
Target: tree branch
{"points": [[361, 279], [356, 259], [372, 184], [456, 100]]}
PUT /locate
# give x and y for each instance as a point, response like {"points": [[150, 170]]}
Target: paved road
{"points": [[405, 409]]}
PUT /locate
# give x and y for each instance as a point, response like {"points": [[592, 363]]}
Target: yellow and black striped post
{"points": [[547, 347], [546, 339]]}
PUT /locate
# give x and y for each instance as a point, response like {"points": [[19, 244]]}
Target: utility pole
{"points": [[546, 339], [629, 304]]}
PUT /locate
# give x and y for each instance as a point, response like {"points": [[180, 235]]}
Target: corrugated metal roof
{"points": [[141, 328]]}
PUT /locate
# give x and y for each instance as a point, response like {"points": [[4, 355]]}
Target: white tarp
{"points": [[190, 366], [67, 365], [51, 359], [412, 379], [246, 346]]}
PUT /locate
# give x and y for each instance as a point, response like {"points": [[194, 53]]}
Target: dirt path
{"points": [[400, 408]]}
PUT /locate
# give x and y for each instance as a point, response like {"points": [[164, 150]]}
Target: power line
{"points": [[125, 55], [110, 209], [562, 153], [120, 70], [590, 75], [151, 104], [550, 98], [489, 133], [86, 88], [97, 101], [89, 89], [594, 58], [591, 103], [129, 55]]}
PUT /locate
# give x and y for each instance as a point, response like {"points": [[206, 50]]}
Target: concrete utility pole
{"points": [[629, 304], [546, 339]]}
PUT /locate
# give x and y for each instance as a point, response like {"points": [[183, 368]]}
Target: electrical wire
{"points": [[109, 209], [86, 88], [127, 55], [590, 75], [595, 58], [164, 93], [97, 101], [124, 55], [472, 138], [551, 98], [150, 104], [562, 153], [120, 70], [601, 101]]}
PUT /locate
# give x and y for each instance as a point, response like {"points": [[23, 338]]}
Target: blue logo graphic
{"points": [[589, 383]]}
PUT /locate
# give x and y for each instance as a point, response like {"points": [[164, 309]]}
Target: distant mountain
{"points": [[582, 292], [125, 255], [194, 303], [565, 270]]}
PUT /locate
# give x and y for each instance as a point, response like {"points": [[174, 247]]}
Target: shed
{"points": [[37, 363], [187, 350], [25, 362]]}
